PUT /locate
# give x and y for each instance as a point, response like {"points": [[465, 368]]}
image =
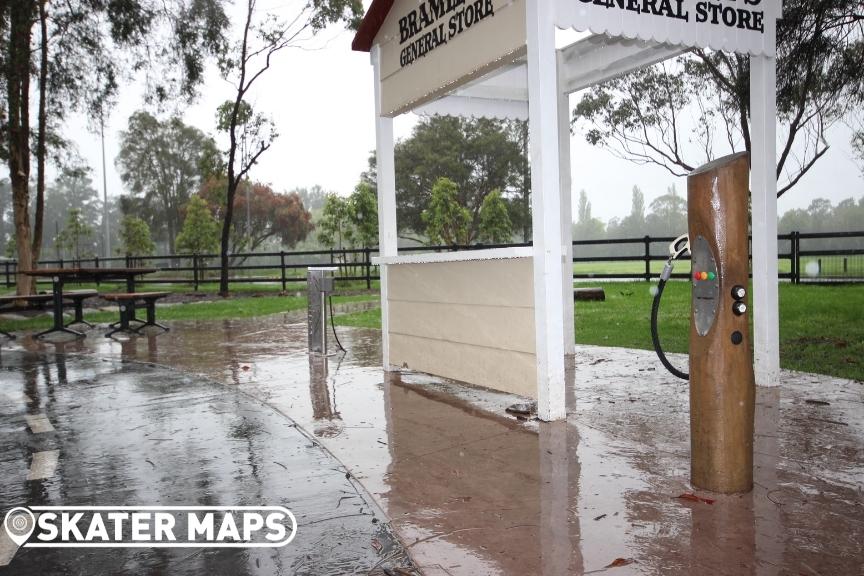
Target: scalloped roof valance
{"points": [[731, 25]]}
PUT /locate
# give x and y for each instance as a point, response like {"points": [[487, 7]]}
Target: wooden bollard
{"points": [[722, 385]]}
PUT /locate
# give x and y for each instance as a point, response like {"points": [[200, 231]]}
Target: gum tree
{"points": [[74, 234], [642, 117], [477, 155], [447, 221], [262, 37], [200, 233], [161, 161], [858, 147], [495, 224], [265, 214], [335, 227], [135, 239]]}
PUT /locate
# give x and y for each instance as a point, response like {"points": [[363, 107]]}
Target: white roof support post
{"points": [[763, 186], [387, 239], [566, 211], [543, 101]]}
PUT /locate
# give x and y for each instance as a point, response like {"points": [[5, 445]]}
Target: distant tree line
{"points": [[667, 217], [167, 166], [70, 202], [823, 216]]}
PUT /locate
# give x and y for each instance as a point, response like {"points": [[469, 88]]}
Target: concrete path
{"points": [[85, 430]]}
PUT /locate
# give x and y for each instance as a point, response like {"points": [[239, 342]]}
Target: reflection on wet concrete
{"points": [[471, 490], [323, 402]]}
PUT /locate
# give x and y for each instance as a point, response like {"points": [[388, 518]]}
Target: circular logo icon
{"points": [[19, 524]]}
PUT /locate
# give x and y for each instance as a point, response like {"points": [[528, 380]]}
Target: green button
{"points": [[712, 276]]}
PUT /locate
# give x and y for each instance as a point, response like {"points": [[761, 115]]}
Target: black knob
{"points": [[739, 292], [737, 338], [739, 308]]}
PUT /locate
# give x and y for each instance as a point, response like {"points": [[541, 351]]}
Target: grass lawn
{"points": [[821, 327], [207, 310]]}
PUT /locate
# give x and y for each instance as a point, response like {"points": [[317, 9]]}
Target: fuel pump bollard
{"points": [[319, 286], [722, 384]]}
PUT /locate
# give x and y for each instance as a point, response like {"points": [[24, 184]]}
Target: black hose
{"points": [[655, 336], [333, 325]]}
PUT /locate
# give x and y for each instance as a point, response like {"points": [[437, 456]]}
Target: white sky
{"points": [[322, 103]]}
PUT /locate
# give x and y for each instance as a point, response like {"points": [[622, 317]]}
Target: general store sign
{"points": [[743, 26], [429, 47], [435, 22]]}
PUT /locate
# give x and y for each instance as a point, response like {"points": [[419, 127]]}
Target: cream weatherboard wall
{"points": [[470, 321]]}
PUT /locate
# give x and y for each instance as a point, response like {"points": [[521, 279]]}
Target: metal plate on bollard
{"points": [[706, 293]]}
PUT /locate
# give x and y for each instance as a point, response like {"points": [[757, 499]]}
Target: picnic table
{"points": [[60, 276]]}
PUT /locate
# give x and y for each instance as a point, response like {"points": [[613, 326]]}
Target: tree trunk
{"points": [[233, 182], [18, 131], [172, 235], [226, 233], [41, 148]]}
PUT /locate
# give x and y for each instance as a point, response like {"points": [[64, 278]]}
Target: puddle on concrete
{"points": [[470, 490]]}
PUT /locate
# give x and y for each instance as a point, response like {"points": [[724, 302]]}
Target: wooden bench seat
{"points": [[127, 302], [75, 297], [38, 299]]}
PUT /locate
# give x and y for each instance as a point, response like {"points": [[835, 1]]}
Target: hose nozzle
{"points": [[667, 271]]}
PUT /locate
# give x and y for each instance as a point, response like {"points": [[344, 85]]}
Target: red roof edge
{"points": [[371, 24]]}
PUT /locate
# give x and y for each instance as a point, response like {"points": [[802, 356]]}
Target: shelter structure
{"points": [[503, 318]]}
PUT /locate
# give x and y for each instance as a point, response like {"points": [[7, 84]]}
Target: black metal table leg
{"points": [[151, 318], [79, 314], [57, 289], [124, 320], [59, 325], [130, 288]]}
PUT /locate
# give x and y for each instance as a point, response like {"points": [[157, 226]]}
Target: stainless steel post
{"points": [[319, 285]]}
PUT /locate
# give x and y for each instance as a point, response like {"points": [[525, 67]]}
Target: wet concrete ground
{"points": [[82, 430], [471, 490]]}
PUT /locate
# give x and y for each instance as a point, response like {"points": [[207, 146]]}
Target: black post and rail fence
{"points": [[830, 257]]}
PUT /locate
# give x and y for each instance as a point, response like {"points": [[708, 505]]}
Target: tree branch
{"points": [[806, 168]]}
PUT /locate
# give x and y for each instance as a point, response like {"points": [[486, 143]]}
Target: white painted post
{"points": [[566, 210], [387, 239], [543, 100], [763, 187]]}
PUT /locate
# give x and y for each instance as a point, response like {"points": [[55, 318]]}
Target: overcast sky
{"points": [[322, 103]]}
